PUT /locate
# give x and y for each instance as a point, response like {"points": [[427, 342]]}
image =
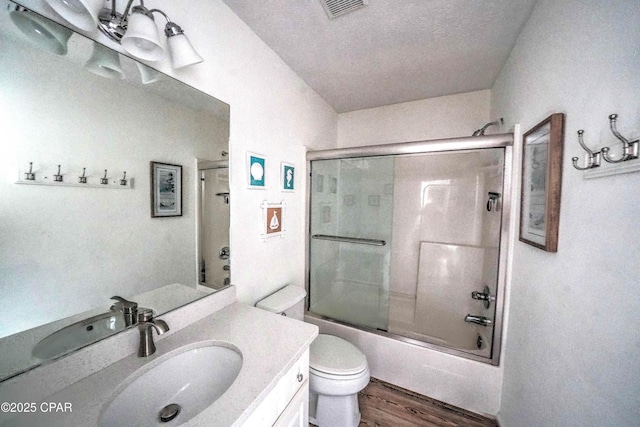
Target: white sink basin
{"points": [[78, 335], [192, 380]]}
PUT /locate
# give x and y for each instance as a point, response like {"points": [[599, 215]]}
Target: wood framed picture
{"points": [[542, 183], [166, 190], [273, 219]]}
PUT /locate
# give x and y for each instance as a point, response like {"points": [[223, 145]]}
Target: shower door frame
{"points": [[449, 145]]}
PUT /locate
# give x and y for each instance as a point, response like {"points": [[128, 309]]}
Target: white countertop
{"points": [[270, 345]]}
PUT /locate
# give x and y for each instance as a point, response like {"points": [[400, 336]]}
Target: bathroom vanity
{"points": [[268, 355]]}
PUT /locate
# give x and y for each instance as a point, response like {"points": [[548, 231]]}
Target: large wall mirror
{"points": [[68, 247]]}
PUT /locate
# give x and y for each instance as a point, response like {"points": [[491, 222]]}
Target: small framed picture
{"points": [[288, 176], [256, 170], [166, 190], [542, 183], [272, 219]]}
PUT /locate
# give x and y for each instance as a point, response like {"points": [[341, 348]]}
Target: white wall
{"points": [[442, 117], [471, 385], [274, 113], [573, 342]]}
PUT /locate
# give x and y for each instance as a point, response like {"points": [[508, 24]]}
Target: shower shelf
{"points": [[356, 240]]}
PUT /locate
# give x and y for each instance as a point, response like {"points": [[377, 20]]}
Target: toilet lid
{"points": [[333, 355]]}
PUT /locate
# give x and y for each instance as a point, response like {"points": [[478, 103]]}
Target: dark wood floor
{"points": [[385, 405]]}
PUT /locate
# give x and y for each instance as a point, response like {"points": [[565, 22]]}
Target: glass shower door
{"points": [[350, 246]]}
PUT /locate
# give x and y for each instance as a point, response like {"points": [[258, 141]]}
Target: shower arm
{"points": [[480, 132]]}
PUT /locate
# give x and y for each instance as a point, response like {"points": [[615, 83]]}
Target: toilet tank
{"points": [[288, 301]]}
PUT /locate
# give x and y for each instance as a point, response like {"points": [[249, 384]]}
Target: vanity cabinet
{"points": [[287, 405], [296, 414]]}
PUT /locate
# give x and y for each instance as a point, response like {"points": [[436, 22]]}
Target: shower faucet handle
{"points": [[480, 296], [485, 296], [224, 253]]}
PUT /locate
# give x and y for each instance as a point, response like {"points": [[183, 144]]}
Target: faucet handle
{"points": [[145, 315], [485, 296], [127, 307]]}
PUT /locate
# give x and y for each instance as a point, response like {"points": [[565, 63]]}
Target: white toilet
{"points": [[338, 370]]}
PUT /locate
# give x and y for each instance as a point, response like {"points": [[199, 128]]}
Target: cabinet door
{"points": [[270, 410], [296, 414]]}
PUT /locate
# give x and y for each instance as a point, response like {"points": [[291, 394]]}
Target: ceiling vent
{"points": [[335, 8]]}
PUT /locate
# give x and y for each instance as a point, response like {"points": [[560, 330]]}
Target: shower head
{"points": [[480, 132]]}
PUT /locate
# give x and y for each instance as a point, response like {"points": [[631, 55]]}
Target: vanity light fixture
{"points": [[135, 29], [82, 14], [46, 34]]}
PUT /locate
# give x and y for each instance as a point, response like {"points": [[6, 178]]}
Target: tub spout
{"points": [[478, 320]]}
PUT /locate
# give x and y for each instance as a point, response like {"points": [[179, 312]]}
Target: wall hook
{"points": [[83, 179], [57, 177], [593, 159], [104, 180], [123, 181], [30, 176], [629, 148]]}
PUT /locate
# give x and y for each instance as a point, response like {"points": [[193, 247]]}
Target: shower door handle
{"points": [[356, 240]]}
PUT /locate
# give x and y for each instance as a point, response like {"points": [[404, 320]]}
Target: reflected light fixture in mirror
{"points": [[105, 62], [147, 74], [44, 33], [135, 29]]}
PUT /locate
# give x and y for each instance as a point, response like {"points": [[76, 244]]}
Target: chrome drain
{"points": [[169, 412]]}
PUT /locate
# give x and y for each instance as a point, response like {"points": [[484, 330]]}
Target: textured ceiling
{"points": [[391, 50]]}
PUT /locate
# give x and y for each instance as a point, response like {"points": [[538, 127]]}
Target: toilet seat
{"points": [[334, 358], [350, 377]]}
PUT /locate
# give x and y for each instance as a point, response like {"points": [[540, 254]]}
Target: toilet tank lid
{"points": [[282, 299]]}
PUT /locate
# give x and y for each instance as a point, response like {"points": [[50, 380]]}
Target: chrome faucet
{"points": [[478, 320], [129, 310], [146, 324]]}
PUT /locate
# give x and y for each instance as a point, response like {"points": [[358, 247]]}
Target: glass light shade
{"points": [[148, 74], [82, 14], [141, 39], [46, 34], [182, 52], [105, 62]]}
